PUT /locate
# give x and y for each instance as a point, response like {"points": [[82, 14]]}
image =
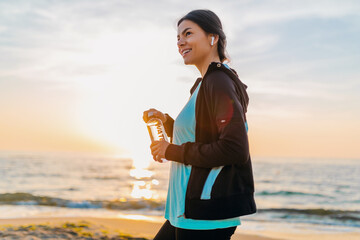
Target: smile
{"points": [[185, 52]]}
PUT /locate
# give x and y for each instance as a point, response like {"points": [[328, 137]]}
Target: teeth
{"points": [[186, 51]]}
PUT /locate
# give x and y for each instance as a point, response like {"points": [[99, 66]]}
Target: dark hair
{"points": [[210, 23]]}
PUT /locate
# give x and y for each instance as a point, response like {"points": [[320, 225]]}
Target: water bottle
{"points": [[156, 130]]}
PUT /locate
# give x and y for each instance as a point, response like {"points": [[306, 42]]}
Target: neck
{"points": [[203, 66]]}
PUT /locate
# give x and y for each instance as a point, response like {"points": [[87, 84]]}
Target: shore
{"points": [[117, 228]]}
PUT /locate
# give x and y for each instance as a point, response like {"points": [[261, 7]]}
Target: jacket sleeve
{"points": [[169, 125], [232, 145]]}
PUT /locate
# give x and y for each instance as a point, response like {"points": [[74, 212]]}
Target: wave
{"points": [[103, 177], [122, 204], [287, 193], [340, 215]]}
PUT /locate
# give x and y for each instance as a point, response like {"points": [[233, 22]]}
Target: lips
{"points": [[185, 51]]}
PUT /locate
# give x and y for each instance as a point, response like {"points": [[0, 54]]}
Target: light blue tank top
{"points": [[184, 131]]}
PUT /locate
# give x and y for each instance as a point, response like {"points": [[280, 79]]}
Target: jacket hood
{"points": [[239, 85]]}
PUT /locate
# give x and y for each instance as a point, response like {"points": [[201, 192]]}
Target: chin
{"points": [[187, 62]]}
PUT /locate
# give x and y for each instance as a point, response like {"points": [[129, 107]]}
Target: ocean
{"points": [[292, 194]]}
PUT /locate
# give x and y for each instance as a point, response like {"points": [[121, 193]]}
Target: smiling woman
{"points": [[211, 183]]}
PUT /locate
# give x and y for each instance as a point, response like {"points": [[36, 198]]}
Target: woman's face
{"points": [[193, 43]]}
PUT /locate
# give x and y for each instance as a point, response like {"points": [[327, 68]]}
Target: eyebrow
{"points": [[184, 31]]}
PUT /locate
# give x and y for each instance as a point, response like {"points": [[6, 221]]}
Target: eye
{"points": [[187, 33]]}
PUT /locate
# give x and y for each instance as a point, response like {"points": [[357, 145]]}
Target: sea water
{"points": [[321, 194]]}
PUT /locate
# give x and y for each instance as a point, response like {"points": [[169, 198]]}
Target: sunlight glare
{"points": [[139, 191], [139, 173]]}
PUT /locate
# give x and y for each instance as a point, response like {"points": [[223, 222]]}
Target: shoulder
{"points": [[218, 79]]}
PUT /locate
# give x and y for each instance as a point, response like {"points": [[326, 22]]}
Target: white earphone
{"points": [[212, 41]]}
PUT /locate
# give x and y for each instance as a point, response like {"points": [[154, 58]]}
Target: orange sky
{"points": [[268, 137]]}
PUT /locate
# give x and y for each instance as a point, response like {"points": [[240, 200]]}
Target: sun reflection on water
{"points": [[140, 173], [143, 181]]}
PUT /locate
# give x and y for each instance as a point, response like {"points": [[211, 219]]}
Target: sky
{"points": [[76, 76]]}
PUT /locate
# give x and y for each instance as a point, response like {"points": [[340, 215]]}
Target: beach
{"points": [[102, 197], [66, 227], [117, 228]]}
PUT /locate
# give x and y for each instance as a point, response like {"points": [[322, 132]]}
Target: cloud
{"points": [[277, 46], [250, 14]]}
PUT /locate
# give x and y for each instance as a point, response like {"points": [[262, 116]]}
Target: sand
{"points": [[116, 229]]}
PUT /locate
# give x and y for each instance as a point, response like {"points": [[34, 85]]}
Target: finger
{"points": [[156, 113], [156, 158], [155, 152], [160, 115], [154, 148], [158, 149], [155, 144], [146, 115], [152, 112]]}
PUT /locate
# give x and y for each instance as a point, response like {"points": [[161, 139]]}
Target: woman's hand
{"points": [[158, 149], [155, 113]]}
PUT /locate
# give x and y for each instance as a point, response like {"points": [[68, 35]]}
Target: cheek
{"points": [[202, 49], [199, 47]]}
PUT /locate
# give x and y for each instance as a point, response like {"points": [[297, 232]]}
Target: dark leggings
{"points": [[169, 232]]}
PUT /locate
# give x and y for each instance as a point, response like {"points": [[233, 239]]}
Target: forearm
{"points": [[231, 149]]}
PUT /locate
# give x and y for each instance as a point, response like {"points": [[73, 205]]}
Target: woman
{"points": [[211, 182]]}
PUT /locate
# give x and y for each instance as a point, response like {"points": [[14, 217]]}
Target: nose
{"points": [[180, 42]]}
